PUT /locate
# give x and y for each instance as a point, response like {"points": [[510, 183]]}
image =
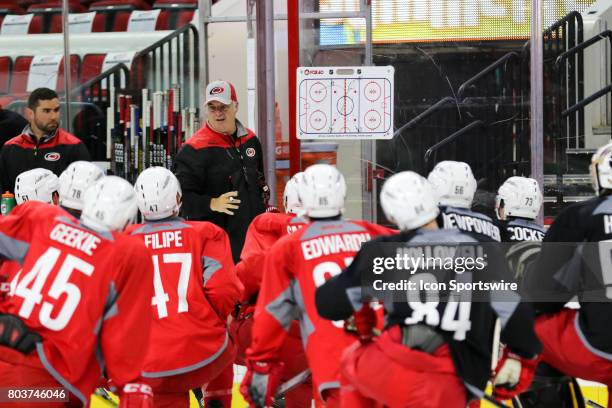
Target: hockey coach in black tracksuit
{"points": [[220, 169]]}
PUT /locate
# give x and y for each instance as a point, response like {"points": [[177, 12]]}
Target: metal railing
{"points": [[173, 60], [565, 64], [486, 105], [571, 134], [96, 89], [447, 140]]}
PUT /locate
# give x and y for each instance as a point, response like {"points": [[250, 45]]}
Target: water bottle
{"points": [[7, 203]]}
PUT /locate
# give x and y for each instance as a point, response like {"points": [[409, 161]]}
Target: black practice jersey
{"points": [[576, 268], [467, 325], [468, 221], [521, 229], [527, 237]]}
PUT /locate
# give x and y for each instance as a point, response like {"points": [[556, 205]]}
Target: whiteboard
{"points": [[345, 102]]}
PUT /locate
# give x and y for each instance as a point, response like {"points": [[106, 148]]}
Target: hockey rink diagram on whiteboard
{"points": [[345, 102]]}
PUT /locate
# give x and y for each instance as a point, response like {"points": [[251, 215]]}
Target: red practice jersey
{"points": [[85, 293], [295, 266], [195, 289], [264, 231], [8, 270]]}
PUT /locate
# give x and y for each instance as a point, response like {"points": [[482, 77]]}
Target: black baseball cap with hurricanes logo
{"points": [[221, 91]]}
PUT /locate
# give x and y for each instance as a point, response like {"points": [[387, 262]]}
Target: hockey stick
{"points": [[593, 404], [493, 401], [102, 393], [171, 139], [292, 383]]}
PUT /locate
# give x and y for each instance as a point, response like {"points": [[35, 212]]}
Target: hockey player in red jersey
{"points": [[78, 310], [74, 181], [195, 289], [294, 267], [578, 342], [433, 352], [264, 231], [32, 185]]}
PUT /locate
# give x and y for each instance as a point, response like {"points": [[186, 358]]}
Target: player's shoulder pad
{"points": [[575, 215], [38, 210], [271, 222], [131, 228], [207, 229], [126, 243], [376, 229]]}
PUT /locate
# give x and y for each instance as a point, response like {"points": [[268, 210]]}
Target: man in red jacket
{"points": [[80, 308], [195, 289], [42, 143]]}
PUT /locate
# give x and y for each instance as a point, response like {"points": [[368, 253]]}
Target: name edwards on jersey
{"points": [[333, 244]]}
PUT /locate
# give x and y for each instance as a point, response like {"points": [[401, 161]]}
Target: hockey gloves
{"points": [[363, 323], [513, 375], [260, 382], [16, 335], [136, 395]]}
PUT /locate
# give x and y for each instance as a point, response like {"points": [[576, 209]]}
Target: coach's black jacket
{"points": [[53, 152], [211, 164]]}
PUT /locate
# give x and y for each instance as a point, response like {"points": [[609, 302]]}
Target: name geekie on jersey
{"points": [[75, 238], [333, 244]]}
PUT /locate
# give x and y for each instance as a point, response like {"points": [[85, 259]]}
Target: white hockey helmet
{"points": [[522, 198], [109, 205], [291, 197], [453, 183], [158, 193], [601, 169], [78, 177], [322, 191], [36, 184], [408, 200]]}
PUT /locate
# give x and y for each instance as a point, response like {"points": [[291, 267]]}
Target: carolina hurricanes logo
{"points": [[250, 152], [216, 90], [52, 156]]}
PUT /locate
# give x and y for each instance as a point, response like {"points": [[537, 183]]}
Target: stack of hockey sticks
{"points": [[147, 135]]}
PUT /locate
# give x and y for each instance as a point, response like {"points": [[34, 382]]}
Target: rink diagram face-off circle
{"points": [[318, 120], [345, 105], [317, 92], [372, 91]]}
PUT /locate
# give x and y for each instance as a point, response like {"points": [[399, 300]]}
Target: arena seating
{"points": [[179, 12], [13, 82], [91, 66], [111, 15]]}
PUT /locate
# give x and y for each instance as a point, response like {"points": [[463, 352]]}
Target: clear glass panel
{"points": [[462, 85], [336, 42]]}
